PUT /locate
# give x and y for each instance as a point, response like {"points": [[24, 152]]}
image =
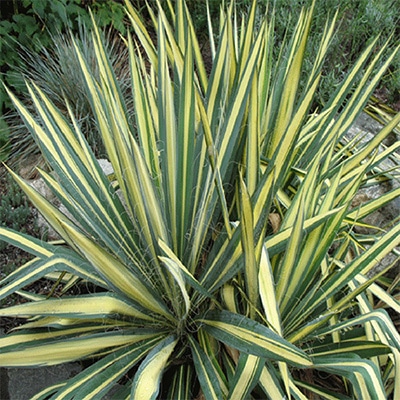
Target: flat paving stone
{"points": [[24, 383]]}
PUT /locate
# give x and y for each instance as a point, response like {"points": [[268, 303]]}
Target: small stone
{"points": [[40, 186]]}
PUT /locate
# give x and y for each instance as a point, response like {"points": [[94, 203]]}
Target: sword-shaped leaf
{"points": [[251, 337], [246, 376], [102, 305], [206, 373], [146, 383], [43, 349], [363, 374], [100, 377]]}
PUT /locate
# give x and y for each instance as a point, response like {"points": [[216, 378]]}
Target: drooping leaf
{"points": [[250, 337]]}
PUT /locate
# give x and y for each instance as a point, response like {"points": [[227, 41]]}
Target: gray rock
{"points": [[40, 186], [4, 395], [106, 166], [365, 128], [24, 383]]}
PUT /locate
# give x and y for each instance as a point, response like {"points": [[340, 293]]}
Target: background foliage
{"points": [[30, 24]]}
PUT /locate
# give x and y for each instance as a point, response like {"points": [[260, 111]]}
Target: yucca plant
{"points": [[219, 259]]}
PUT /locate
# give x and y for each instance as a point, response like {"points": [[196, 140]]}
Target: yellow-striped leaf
{"points": [[251, 337], [246, 376], [147, 379], [101, 305], [27, 350], [206, 373], [117, 274], [363, 374], [99, 378]]}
